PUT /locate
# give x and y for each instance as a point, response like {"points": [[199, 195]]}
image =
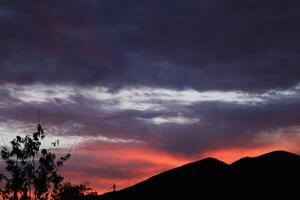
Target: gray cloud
{"points": [[226, 125], [219, 123], [207, 45]]}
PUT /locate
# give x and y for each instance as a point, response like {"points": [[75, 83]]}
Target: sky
{"points": [[133, 88]]}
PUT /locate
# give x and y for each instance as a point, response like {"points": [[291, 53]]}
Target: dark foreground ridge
{"points": [[274, 175]]}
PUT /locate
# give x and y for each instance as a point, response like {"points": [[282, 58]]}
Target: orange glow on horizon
{"points": [[139, 161]]}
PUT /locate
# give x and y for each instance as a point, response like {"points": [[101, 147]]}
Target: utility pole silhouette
{"points": [[114, 187]]}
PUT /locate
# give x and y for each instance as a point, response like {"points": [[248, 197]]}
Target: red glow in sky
{"points": [[105, 164]]}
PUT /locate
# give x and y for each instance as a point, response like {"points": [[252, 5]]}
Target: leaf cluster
{"points": [[31, 172]]}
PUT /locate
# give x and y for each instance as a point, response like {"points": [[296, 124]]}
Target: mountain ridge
{"points": [[270, 175]]}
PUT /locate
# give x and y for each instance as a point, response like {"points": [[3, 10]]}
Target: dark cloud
{"points": [[205, 45], [227, 125]]}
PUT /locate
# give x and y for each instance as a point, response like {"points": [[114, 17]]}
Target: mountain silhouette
{"points": [[272, 175]]}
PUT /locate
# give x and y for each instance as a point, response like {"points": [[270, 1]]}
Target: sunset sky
{"points": [[135, 87]]}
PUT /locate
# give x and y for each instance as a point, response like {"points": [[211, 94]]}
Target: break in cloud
{"points": [[151, 85]]}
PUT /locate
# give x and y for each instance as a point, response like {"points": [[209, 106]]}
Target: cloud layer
{"points": [[207, 45]]}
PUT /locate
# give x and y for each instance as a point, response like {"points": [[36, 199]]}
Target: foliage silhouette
{"points": [[74, 192], [32, 172]]}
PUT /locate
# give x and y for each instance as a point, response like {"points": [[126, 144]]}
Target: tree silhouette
{"points": [[32, 172], [75, 192]]}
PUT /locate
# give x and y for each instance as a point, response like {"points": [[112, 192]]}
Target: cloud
{"points": [[5, 12], [176, 120], [207, 45], [183, 122]]}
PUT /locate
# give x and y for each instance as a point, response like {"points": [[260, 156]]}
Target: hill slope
{"points": [[272, 175]]}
